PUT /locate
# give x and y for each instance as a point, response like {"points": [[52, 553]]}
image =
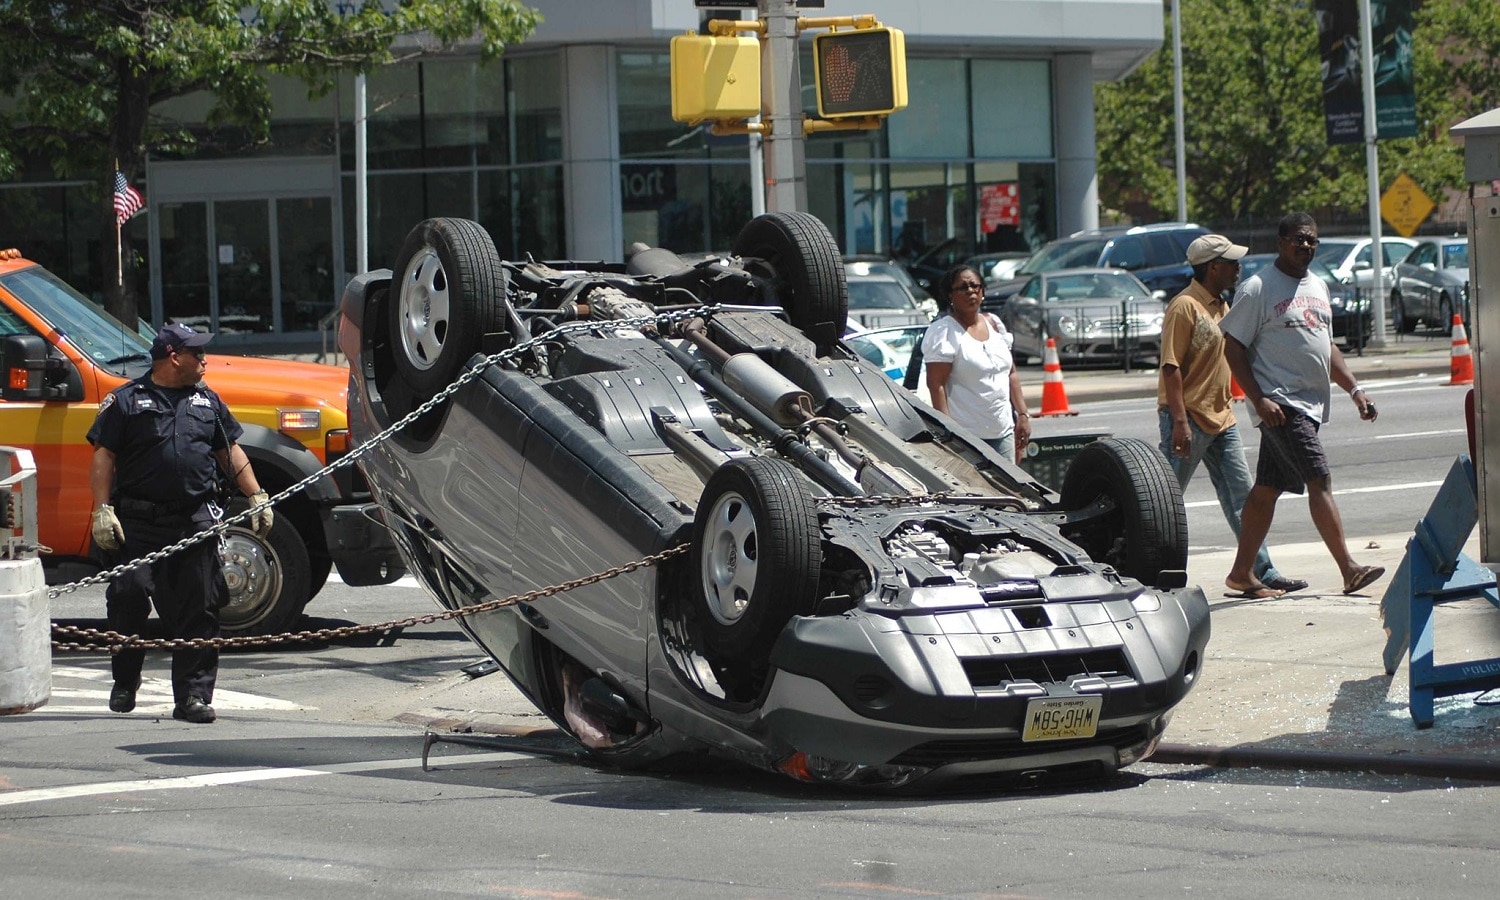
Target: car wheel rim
{"points": [[730, 558], [424, 307], [253, 574]]}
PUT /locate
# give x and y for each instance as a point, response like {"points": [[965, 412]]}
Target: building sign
{"points": [[999, 204], [1343, 85], [644, 187]]}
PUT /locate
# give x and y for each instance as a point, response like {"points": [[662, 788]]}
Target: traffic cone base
{"points": [[1461, 365], [1054, 396], [1235, 391]]}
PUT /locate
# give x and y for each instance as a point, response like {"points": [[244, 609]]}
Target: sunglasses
{"points": [[967, 286], [196, 353]]}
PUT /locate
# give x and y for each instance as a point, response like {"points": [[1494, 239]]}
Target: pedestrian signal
{"points": [[715, 77], [860, 72]]}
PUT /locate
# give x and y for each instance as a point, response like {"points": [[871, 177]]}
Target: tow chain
{"points": [[105, 641]]}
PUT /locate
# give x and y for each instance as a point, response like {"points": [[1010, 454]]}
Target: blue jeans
{"points": [[1224, 457], [1005, 446]]}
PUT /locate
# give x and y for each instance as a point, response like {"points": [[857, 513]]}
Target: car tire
{"points": [[1399, 320], [269, 578], [1445, 313], [799, 255], [757, 555], [448, 292], [1146, 532]]}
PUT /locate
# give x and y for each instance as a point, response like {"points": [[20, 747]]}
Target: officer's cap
{"points": [[175, 337]]}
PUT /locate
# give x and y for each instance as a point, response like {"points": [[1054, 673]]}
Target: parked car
{"points": [[1432, 283], [1156, 254], [871, 264], [1345, 301], [878, 301], [999, 266], [1349, 258], [857, 591], [70, 354], [1091, 313], [891, 349], [929, 265]]}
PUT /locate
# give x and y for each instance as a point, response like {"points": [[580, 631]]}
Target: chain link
{"points": [[104, 641], [468, 375]]}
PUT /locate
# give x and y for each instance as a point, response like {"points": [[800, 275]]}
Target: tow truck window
{"points": [[92, 331]]}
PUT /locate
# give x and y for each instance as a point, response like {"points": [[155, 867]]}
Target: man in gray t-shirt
{"points": [[1277, 342]]}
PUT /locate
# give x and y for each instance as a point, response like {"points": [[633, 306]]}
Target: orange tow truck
{"points": [[62, 353]]}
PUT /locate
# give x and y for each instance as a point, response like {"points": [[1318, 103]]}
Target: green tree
{"points": [[83, 75], [1255, 142]]}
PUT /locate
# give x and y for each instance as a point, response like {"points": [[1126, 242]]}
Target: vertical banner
{"points": [[1392, 58]]}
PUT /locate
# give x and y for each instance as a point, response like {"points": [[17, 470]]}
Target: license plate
{"points": [[1062, 718]]}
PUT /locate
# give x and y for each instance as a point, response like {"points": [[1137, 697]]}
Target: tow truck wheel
{"points": [[796, 251], [1146, 531], [757, 551], [449, 292], [269, 578]]}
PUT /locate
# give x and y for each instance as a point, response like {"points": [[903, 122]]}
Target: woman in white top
{"points": [[970, 372]]}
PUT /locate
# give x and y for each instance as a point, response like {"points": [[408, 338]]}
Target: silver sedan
{"points": [[1432, 283], [1092, 313]]}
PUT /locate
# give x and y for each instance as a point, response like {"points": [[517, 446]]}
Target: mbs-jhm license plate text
{"points": [[1061, 718]]}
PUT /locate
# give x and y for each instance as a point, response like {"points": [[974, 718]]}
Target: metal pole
{"points": [[781, 83], [361, 186], [1372, 175], [757, 174], [1177, 107]]}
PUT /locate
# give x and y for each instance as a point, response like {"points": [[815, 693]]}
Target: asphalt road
{"points": [[1385, 473], [309, 785]]}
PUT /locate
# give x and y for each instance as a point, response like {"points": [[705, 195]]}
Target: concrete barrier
{"points": [[25, 637]]}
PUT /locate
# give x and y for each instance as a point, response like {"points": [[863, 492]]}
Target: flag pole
{"points": [[119, 234]]}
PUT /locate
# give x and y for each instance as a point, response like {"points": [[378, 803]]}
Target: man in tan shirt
{"points": [[1193, 397]]}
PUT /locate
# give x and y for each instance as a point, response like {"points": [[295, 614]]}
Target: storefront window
{"points": [[933, 125], [1012, 108]]}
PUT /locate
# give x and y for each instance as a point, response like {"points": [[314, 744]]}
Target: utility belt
{"points": [[149, 509]]}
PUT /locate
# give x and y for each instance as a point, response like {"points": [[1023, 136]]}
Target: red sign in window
{"points": [[999, 204]]}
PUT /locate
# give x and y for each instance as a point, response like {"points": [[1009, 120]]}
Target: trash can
{"points": [[1047, 458]]}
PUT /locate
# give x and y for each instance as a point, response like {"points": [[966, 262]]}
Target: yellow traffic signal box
{"points": [[860, 72], [715, 77]]}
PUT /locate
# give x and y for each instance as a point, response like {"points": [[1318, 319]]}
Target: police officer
{"points": [[159, 442]]}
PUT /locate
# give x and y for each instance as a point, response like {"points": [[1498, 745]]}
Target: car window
{"points": [[1334, 253], [1455, 256], [90, 329], [878, 294], [1064, 255], [11, 323], [1425, 253], [1362, 258], [1032, 290], [1395, 252], [1128, 253], [1162, 250]]}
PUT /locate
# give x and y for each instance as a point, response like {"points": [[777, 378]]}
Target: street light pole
{"points": [[781, 77], [1177, 107], [1372, 175]]}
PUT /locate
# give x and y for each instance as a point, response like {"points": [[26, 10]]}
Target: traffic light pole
{"points": [[783, 140]]}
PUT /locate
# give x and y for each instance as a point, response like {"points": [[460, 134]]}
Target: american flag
{"points": [[128, 200]]}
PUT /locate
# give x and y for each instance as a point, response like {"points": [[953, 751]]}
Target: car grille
{"points": [[1049, 668]]}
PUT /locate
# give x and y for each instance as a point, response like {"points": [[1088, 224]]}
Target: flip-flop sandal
{"points": [[1363, 577], [1254, 592]]}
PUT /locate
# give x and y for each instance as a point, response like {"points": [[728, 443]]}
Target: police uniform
{"points": [[163, 490]]}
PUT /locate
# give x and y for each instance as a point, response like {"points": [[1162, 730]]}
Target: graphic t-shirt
{"points": [[1286, 325]]}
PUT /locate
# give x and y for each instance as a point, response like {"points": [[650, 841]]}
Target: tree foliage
{"points": [[1253, 111], [79, 78]]}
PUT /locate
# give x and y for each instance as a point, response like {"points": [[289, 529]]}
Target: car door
{"points": [[1418, 284], [1024, 317]]}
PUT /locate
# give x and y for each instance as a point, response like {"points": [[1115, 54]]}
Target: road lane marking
{"points": [[217, 779], [1416, 434], [1375, 489], [154, 697]]}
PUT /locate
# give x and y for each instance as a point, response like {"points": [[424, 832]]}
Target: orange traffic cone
{"points": [[1235, 391], [1054, 396], [1461, 366]]}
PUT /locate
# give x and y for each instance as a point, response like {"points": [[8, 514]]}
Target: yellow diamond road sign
{"points": [[1404, 205]]}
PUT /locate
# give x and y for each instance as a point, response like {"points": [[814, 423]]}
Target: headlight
{"points": [[299, 419], [1067, 326]]}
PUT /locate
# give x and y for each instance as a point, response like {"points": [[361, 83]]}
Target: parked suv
{"points": [[62, 354], [1156, 254]]}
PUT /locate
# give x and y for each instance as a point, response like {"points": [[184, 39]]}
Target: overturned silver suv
{"points": [[871, 596]]}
